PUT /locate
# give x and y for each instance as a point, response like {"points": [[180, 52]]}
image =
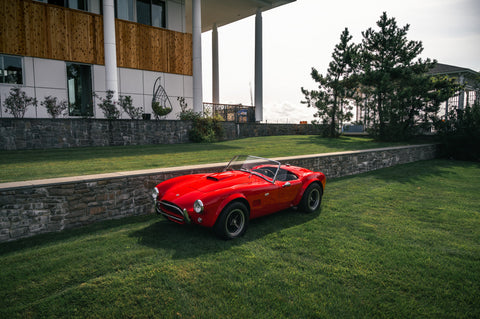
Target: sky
{"points": [[303, 34]]}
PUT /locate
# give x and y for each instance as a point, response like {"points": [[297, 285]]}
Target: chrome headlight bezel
{"points": [[198, 206], [155, 193]]}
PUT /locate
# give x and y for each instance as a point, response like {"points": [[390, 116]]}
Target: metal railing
{"points": [[231, 113]]}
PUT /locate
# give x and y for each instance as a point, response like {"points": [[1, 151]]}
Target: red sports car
{"points": [[249, 187]]}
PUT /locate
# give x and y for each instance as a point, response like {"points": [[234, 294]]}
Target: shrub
{"points": [[126, 103], [17, 102], [460, 134], [206, 129], [108, 107], [54, 109]]}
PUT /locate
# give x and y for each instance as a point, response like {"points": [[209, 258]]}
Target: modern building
{"points": [[76, 49]]}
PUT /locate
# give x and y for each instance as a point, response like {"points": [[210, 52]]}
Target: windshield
{"points": [[263, 167]]}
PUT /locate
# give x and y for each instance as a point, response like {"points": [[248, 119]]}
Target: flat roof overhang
{"points": [[223, 12]]}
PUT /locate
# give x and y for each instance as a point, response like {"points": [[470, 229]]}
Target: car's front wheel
{"points": [[312, 198], [233, 221]]}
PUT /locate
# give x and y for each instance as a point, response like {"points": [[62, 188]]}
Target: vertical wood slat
{"points": [[37, 29]]}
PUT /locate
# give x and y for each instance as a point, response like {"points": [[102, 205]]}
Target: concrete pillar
{"points": [[197, 55], [215, 69], [258, 67], [111, 80]]}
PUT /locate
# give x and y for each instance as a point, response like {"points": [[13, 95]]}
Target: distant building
{"points": [[467, 77], [72, 49]]}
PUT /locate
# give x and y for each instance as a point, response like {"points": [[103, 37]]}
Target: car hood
{"points": [[206, 183]]}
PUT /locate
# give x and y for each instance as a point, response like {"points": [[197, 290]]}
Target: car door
{"points": [[284, 193]]}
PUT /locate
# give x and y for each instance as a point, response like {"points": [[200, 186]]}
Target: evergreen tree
{"points": [[397, 80], [334, 88]]}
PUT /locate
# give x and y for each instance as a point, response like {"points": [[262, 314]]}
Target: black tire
{"points": [[312, 198], [232, 222]]}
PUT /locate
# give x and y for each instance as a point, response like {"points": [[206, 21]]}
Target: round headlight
{"points": [[155, 193], [198, 206]]}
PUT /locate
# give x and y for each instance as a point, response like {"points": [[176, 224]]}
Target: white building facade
{"points": [[78, 49]]}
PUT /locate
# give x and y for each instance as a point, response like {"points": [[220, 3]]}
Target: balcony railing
{"points": [[231, 113]]}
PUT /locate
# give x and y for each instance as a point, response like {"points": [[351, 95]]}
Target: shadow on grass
{"points": [[41, 240], [192, 240], [186, 240]]}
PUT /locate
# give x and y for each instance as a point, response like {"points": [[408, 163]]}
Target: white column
{"points": [[111, 81], [197, 55], [215, 70], [461, 96], [258, 67]]}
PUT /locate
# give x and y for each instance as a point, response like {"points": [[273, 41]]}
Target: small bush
{"points": [[126, 103], [206, 130], [17, 102], [54, 109], [108, 107]]}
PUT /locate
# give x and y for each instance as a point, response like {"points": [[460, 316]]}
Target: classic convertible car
{"points": [[248, 187]]}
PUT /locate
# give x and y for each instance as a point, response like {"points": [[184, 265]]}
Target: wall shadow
{"points": [[191, 240]]}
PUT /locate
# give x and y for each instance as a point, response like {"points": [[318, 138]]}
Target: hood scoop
{"points": [[219, 176]]}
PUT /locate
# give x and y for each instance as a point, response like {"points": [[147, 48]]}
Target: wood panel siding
{"points": [[35, 29], [145, 47]]}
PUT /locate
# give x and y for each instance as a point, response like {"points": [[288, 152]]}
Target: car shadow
{"points": [[192, 240]]}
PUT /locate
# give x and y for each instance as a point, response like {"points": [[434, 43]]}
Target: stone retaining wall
{"points": [[22, 134], [35, 207]]}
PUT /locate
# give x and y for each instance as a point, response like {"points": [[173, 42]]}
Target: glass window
{"points": [[78, 4], [125, 10], [158, 13], [79, 83], [143, 11], [149, 12], [11, 70]]}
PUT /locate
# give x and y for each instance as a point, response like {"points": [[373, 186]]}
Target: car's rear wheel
{"points": [[233, 221], [312, 198]]}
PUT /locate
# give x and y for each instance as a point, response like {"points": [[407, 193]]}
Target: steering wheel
{"points": [[268, 173]]}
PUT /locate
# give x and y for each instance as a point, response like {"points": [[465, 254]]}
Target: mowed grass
{"points": [[402, 242], [40, 164]]}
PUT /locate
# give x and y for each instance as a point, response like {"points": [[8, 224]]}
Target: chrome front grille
{"points": [[171, 211]]}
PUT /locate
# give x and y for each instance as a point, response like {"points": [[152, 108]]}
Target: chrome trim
{"points": [[174, 208]]}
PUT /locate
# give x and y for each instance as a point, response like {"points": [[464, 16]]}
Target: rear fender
{"points": [[314, 178]]}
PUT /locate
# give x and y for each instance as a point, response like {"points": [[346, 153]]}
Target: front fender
{"points": [[227, 200]]}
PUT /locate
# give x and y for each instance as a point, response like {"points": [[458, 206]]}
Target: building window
{"points": [[11, 69], [79, 83], [158, 13], [150, 12], [93, 6]]}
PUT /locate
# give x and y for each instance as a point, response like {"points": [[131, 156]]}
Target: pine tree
{"points": [[396, 78], [334, 88]]}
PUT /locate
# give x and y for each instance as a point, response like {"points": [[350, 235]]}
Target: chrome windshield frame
{"points": [[246, 163]]}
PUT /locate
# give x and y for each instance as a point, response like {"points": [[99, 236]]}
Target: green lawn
{"points": [[40, 164], [402, 242]]}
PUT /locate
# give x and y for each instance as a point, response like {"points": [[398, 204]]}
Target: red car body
{"points": [[249, 186]]}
